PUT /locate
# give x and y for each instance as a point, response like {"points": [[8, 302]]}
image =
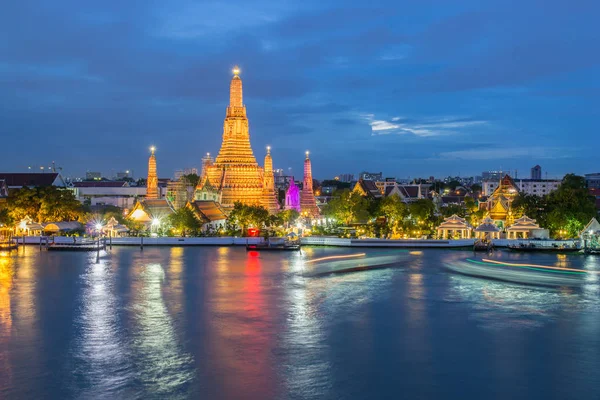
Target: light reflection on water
{"points": [[162, 366], [221, 322]]}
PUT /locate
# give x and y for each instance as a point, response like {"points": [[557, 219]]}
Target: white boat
{"points": [[528, 274]]}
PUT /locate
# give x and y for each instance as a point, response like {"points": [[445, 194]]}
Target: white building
{"points": [[118, 194], [535, 187]]}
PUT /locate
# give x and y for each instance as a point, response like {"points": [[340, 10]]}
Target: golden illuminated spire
{"points": [[235, 89], [152, 181]]}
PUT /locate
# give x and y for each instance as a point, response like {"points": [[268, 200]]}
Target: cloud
{"points": [[436, 126], [500, 153]]}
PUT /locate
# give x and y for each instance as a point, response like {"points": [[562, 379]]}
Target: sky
{"points": [[411, 88]]}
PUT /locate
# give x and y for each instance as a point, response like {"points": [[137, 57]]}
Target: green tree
{"points": [[244, 215], [46, 204], [347, 207], [191, 180], [395, 211], [570, 207], [184, 221], [288, 217], [451, 209]]}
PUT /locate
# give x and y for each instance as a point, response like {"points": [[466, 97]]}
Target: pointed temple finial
{"points": [[307, 152], [268, 149], [235, 89], [152, 149]]}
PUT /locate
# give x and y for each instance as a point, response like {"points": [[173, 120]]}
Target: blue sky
{"points": [[410, 88]]}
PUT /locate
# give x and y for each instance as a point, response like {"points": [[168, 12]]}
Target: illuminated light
{"points": [[155, 222], [236, 70], [336, 257], [415, 252], [98, 227], [152, 149], [538, 266]]}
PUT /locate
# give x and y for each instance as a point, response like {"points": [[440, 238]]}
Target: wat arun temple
{"points": [[235, 175]]}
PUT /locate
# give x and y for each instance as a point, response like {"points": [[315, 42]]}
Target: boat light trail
{"points": [[536, 266], [337, 257]]}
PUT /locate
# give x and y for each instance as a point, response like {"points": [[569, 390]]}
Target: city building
{"points": [[182, 172], [491, 176], [122, 175], [536, 173], [282, 182], [114, 193], [593, 180], [308, 203], [93, 176], [235, 171], [32, 179], [536, 187], [346, 178], [371, 176]]}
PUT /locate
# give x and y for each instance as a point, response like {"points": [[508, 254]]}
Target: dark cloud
{"points": [[92, 85]]}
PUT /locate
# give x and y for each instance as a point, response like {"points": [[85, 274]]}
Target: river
{"points": [[221, 323]]}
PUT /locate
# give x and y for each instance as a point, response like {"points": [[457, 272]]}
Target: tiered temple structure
{"points": [[152, 181], [292, 197], [269, 197], [235, 173], [308, 203]]}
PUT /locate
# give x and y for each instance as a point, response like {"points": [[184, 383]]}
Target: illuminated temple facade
{"points": [[235, 174]]}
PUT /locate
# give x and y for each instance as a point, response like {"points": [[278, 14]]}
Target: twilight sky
{"points": [[410, 88]]}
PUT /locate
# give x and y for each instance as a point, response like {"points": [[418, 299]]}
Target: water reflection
{"points": [[6, 283], [101, 357], [242, 324], [162, 365]]}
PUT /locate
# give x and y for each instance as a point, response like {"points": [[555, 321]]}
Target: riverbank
{"points": [[307, 241]]}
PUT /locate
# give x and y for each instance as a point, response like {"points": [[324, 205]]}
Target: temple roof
{"points": [[208, 211], [487, 225], [523, 224], [454, 222], [367, 188]]}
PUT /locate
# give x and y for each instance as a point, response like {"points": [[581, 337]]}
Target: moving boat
{"points": [[77, 246], [482, 245], [529, 274], [8, 245], [555, 248], [275, 244]]}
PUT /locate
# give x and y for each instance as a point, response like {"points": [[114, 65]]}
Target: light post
{"points": [[99, 232]]}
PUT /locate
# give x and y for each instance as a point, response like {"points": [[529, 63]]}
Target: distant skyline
{"points": [[416, 88]]}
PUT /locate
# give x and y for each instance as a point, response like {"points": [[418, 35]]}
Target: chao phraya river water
{"points": [[221, 323]]}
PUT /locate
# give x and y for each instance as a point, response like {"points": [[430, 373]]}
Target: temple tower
{"points": [[308, 203], [269, 196], [292, 197], [235, 172], [152, 181]]}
